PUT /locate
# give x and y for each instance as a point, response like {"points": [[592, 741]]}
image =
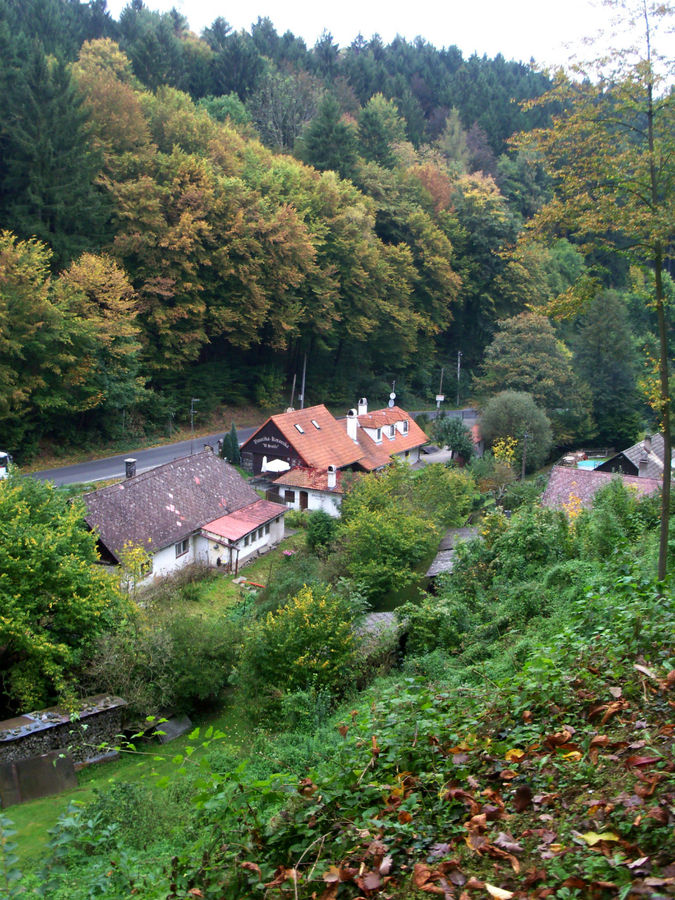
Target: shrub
{"points": [[320, 530], [308, 644]]}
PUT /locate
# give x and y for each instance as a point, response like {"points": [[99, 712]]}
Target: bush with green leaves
{"points": [[391, 523], [54, 598], [307, 644], [451, 432], [321, 529], [514, 414], [165, 661]]}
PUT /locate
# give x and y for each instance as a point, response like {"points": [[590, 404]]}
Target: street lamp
{"points": [[192, 422]]}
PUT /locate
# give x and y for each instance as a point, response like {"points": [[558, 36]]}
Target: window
{"points": [[300, 428], [405, 426], [392, 432], [247, 540], [182, 547], [378, 435], [267, 528], [289, 496], [316, 425]]}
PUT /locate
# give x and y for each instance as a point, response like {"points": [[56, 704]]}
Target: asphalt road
{"points": [[113, 466]]}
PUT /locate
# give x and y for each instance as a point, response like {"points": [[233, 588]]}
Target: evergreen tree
{"points": [[235, 455], [329, 142], [605, 356], [47, 184]]}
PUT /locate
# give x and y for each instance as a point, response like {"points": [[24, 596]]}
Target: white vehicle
{"points": [[5, 460]]}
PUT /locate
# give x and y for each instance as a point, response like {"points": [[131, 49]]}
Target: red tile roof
{"points": [[310, 479], [319, 447], [243, 521], [376, 455], [566, 483]]}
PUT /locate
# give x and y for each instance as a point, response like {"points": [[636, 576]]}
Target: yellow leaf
{"points": [[573, 754], [592, 837], [499, 893], [514, 755]]}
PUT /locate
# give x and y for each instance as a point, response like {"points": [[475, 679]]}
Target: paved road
{"points": [[113, 466]]}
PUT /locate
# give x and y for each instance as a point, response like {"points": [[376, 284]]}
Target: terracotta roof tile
{"points": [[243, 521], [311, 479], [566, 482], [164, 505], [376, 455], [319, 447]]}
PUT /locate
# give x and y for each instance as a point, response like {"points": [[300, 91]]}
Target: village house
{"points": [[315, 452], [644, 459], [193, 510], [570, 488]]}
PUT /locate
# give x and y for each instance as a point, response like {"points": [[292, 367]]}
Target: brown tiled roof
{"points": [[245, 520], [310, 479], [566, 483], [164, 505], [319, 447], [377, 455]]}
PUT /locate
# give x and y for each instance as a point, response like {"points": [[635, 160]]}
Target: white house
{"points": [[193, 510], [305, 488]]}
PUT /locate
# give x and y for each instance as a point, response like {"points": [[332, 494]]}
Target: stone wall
{"points": [[79, 734]]}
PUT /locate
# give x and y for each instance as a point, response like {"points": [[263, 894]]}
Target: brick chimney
{"points": [[362, 406], [331, 477]]}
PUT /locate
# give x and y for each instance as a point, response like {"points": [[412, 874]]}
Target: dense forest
{"points": [[193, 216]]}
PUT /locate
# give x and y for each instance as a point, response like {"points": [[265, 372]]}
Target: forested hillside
{"points": [[190, 216]]}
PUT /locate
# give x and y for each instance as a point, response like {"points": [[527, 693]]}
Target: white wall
{"points": [[328, 502], [165, 562]]}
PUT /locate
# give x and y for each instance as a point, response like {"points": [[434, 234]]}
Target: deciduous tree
{"points": [[54, 600], [611, 150]]}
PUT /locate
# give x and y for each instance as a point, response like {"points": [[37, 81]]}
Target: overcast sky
{"points": [[544, 30]]}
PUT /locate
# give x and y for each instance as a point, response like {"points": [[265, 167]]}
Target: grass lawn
{"points": [[215, 595]]}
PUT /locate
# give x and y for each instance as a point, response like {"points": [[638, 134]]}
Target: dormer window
{"points": [[316, 424], [392, 432], [300, 428], [405, 426]]}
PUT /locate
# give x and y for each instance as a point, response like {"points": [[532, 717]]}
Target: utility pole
{"points": [[525, 437], [192, 422], [459, 372], [301, 398], [439, 396]]}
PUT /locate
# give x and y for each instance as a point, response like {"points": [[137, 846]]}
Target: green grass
{"points": [[151, 761]]}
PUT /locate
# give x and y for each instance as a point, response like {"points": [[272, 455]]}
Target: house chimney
{"points": [[130, 467], [642, 465], [363, 406], [331, 477], [352, 424], [647, 444]]}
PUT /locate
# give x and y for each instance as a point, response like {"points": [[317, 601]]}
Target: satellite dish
{"points": [[391, 403], [392, 396]]}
